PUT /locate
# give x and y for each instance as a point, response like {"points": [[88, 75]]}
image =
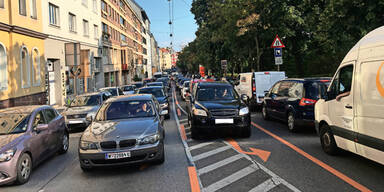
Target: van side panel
{"points": [[370, 110]]}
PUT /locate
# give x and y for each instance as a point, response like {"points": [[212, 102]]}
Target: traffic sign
{"points": [[277, 43], [278, 52], [224, 64], [278, 60]]}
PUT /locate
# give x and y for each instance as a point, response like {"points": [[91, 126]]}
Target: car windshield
{"points": [[155, 84], [90, 100], [125, 110], [186, 84], [13, 123], [112, 91], [212, 93], [128, 88], [155, 92]]}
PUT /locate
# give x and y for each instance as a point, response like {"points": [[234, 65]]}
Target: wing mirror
{"points": [[244, 97], [163, 112], [266, 93], [41, 127]]}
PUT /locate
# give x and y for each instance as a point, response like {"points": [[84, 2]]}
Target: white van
{"points": [[255, 84], [351, 116]]}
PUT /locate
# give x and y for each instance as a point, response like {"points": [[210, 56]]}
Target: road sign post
{"points": [[278, 46], [224, 67]]}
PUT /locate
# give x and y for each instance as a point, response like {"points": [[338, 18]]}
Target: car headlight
{"points": [[86, 145], [244, 111], [151, 139], [199, 112], [7, 155]]}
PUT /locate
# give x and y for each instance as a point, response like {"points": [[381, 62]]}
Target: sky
{"points": [[184, 22]]}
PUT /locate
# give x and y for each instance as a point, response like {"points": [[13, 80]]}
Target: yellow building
{"points": [[22, 61]]}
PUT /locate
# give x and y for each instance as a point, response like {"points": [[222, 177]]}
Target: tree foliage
{"points": [[317, 33]]}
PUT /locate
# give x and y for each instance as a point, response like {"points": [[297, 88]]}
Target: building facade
{"points": [[72, 47], [22, 60], [165, 58], [155, 57]]}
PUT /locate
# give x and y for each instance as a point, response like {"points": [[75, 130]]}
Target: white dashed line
{"points": [[200, 145], [219, 164], [210, 153]]}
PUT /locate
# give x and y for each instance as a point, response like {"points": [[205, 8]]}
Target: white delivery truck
{"points": [[255, 84], [351, 115]]}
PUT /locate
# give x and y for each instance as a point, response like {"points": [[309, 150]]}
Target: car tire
{"points": [[327, 140], [264, 113], [291, 122], [246, 132], [64, 143], [161, 159], [23, 168]]}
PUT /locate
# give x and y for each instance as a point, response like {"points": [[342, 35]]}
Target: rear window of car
{"points": [[312, 90]]}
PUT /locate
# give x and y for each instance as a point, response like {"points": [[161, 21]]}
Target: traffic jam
{"points": [[260, 131]]}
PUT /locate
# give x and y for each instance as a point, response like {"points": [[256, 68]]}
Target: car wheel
{"points": [[291, 123], [264, 113], [327, 140], [64, 144], [246, 132], [24, 168], [161, 159]]}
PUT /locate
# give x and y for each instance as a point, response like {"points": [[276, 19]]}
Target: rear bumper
{"points": [[75, 124]]}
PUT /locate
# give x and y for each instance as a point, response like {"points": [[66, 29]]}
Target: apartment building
{"points": [[22, 63], [155, 57], [165, 58], [73, 57]]}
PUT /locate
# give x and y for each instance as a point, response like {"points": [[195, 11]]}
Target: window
{"points": [[25, 68], [39, 119], [342, 82], [53, 14], [1, 3], [33, 9], [3, 68], [85, 3], [36, 67], [105, 27], [144, 51], [123, 38], [275, 89], [22, 7], [144, 41], [86, 28], [50, 115], [122, 21], [95, 6], [103, 6], [72, 22], [96, 31]]}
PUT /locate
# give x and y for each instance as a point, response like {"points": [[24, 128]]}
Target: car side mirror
{"points": [[244, 97], [237, 83], [41, 127], [266, 93]]}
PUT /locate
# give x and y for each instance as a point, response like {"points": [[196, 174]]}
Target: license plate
{"points": [[224, 121], [75, 122], [119, 155]]}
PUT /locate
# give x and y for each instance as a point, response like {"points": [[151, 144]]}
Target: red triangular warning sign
{"points": [[277, 43]]}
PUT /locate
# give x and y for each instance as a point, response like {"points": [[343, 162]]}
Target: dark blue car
{"points": [[293, 101]]}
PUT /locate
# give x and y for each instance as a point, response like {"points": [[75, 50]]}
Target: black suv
{"points": [[293, 101], [217, 106]]}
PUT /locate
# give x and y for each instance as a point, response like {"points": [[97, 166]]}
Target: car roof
{"points": [[154, 83], [140, 97], [22, 109], [153, 87], [105, 88], [308, 79], [214, 83], [90, 94]]}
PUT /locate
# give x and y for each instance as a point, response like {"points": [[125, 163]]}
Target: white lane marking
{"points": [[188, 133], [71, 135], [200, 145], [210, 153], [183, 120], [219, 164], [275, 178], [232, 178], [265, 186]]}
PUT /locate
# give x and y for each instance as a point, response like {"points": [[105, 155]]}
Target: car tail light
{"points": [[253, 86], [307, 102], [266, 73]]}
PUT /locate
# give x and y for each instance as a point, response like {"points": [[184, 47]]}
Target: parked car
{"points": [[351, 115], [83, 106], [128, 89], [184, 89], [115, 91], [161, 97], [138, 84], [126, 130], [216, 106], [255, 84], [28, 136], [293, 101]]}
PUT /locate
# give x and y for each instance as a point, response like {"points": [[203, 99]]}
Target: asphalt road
{"points": [[272, 159], [296, 158], [63, 173]]}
